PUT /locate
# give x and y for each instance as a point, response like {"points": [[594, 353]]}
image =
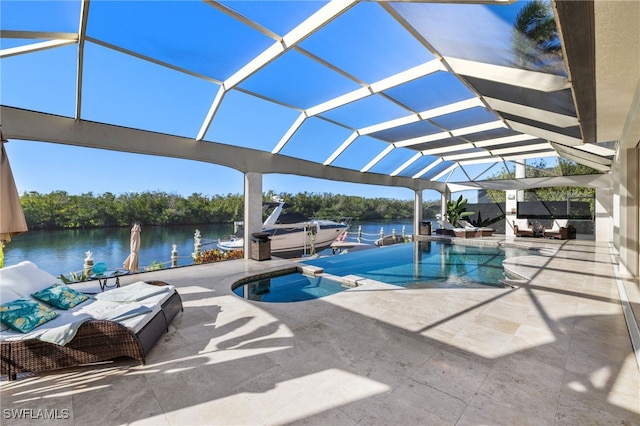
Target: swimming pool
{"points": [[292, 287], [425, 264]]}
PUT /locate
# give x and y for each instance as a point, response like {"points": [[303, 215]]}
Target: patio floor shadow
{"points": [[555, 351]]}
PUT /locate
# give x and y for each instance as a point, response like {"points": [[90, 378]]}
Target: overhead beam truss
{"points": [[35, 126], [566, 146]]}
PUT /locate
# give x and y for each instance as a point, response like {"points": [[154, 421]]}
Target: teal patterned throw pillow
{"points": [[60, 296], [24, 315]]}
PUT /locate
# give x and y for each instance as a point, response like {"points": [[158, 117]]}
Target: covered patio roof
{"points": [[414, 94]]}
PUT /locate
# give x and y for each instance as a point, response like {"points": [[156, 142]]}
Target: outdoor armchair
{"points": [[522, 228], [559, 229]]}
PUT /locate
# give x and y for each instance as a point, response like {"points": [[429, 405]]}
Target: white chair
{"points": [[559, 229], [522, 228]]}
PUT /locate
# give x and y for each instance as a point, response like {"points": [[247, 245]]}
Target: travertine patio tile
{"points": [[586, 392], [454, 374], [406, 405], [553, 352], [484, 410]]}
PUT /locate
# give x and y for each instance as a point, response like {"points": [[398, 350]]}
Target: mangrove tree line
{"points": [[61, 210]]}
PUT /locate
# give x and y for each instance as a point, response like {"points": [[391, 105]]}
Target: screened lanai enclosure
{"points": [[442, 95]]}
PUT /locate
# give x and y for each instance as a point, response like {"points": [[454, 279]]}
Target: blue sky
{"points": [[126, 91]]}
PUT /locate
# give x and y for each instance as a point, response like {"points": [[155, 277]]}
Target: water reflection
{"points": [[425, 264], [288, 288], [63, 251]]}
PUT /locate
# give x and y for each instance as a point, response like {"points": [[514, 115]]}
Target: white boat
{"points": [[292, 234]]}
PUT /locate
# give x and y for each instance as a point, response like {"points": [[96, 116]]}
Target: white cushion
{"points": [[97, 309], [560, 223], [7, 295], [521, 223], [446, 225], [25, 278]]}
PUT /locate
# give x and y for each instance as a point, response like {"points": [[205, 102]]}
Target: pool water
{"points": [[294, 287], [425, 264]]}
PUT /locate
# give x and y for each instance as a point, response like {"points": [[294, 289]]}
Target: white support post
{"points": [[521, 173], [417, 211], [511, 208], [252, 208], [445, 197], [512, 197], [604, 214]]}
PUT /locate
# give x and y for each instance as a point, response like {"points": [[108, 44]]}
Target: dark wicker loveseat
{"points": [[94, 341]]}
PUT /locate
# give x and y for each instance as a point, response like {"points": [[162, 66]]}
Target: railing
{"points": [[85, 273], [361, 237]]}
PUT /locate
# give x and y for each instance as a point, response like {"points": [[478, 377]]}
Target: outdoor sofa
{"points": [[122, 322]]}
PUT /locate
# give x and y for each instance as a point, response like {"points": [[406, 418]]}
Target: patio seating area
{"points": [[559, 229], [335, 92], [554, 351], [60, 327]]}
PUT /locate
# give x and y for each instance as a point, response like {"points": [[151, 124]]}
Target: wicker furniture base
{"points": [[459, 232], [95, 341], [561, 234]]}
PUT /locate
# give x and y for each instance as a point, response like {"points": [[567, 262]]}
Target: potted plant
{"points": [[457, 210]]}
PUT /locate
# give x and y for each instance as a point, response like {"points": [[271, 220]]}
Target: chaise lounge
{"points": [[480, 231], [123, 322], [447, 229]]}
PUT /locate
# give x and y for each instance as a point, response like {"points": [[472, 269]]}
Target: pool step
{"points": [[310, 270], [351, 280]]}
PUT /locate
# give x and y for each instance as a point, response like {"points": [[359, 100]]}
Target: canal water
{"points": [[63, 251]]}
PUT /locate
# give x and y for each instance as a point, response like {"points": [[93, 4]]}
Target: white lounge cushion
{"points": [[559, 223], [135, 292], [446, 225], [467, 224], [25, 278], [8, 295], [98, 309], [522, 224]]}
